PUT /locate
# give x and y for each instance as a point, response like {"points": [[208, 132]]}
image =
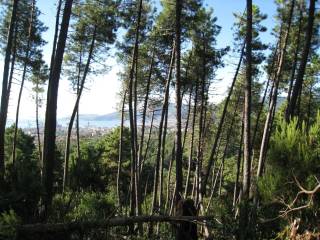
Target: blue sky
{"points": [[101, 98]]}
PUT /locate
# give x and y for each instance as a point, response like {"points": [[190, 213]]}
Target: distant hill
{"points": [[113, 119]]}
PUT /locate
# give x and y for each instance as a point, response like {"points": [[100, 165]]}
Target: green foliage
{"points": [[23, 187], [8, 222], [88, 172], [97, 167], [21, 35], [91, 18], [293, 154], [83, 206]]}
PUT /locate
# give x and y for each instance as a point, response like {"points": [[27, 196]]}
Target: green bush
{"points": [[8, 222]]}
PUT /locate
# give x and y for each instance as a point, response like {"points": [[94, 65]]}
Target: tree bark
{"points": [[229, 133], [221, 122], [274, 58], [4, 91], [148, 142], [38, 129], [163, 112], [48, 228], [21, 88], [273, 102], [135, 206], [244, 215], [236, 184], [190, 159], [120, 148], [51, 110], [296, 56], [189, 103], [145, 105], [178, 154], [162, 158], [169, 178], [154, 206], [304, 59], [74, 112]]}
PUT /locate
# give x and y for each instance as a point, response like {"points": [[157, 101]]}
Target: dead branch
{"points": [[112, 222]]}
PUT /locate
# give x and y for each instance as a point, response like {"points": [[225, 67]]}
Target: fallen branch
{"points": [[290, 207], [112, 222]]}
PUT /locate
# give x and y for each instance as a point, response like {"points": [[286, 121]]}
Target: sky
{"points": [[101, 96]]}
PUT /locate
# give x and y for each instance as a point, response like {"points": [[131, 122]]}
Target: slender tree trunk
{"points": [[13, 61], [148, 142], [38, 129], [154, 206], [74, 112], [296, 56], [135, 205], [56, 35], [200, 132], [77, 122], [274, 58], [158, 156], [25, 65], [236, 184], [190, 159], [178, 155], [145, 105], [244, 215], [189, 103], [304, 59], [273, 102], [309, 108], [169, 178], [213, 185], [120, 148], [221, 122], [163, 146], [51, 110], [4, 93], [188, 117], [229, 133]]}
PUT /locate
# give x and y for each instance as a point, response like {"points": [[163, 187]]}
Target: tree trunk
{"points": [[221, 122], [274, 58], [24, 71], [189, 103], [229, 133], [38, 130], [163, 112], [178, 154], [145, 105], [51, 110], [273, 101], [244, 215], [135, 205], [13, 61], [236, 184], [148, 142], [190, 159], [188, 117], [163, 148], [74, 112], [200, 131], [169, 178], [296, 55], [4, 93], [120, 148], [154, 206], [162, 158], [304, 59]]}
